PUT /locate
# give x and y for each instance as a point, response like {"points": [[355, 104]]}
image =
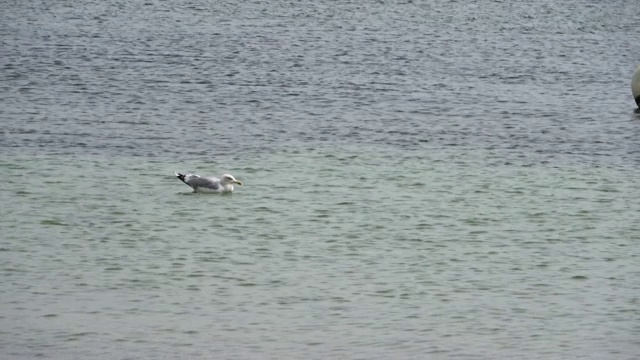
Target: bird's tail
{"points": [[181, 177]]}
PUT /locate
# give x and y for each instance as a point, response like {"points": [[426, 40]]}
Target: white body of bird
{"points": [[635, 86], [198, 183]]}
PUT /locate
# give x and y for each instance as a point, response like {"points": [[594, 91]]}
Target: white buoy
{"points": [[635, 86]]}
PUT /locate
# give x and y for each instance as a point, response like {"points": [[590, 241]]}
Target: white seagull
{"points": [[635, 86], [209, 183]]}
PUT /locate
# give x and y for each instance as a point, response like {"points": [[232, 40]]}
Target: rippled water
{"points": [[421, 179]]}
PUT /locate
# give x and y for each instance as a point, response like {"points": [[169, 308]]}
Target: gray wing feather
{"points": [[196, 181]]}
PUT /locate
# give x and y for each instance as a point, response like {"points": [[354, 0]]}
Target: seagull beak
{"points": [[238, 182]]}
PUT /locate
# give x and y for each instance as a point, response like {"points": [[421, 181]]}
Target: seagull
{"points": [[635, 86], [209, 183]]}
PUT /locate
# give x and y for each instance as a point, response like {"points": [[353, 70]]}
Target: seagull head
{"points": [[229, 179]]}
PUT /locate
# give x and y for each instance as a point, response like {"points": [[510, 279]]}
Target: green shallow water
{"points": [[348, 252]]}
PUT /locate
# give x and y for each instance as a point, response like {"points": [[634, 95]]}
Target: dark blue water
{"points": [[539, 80]]}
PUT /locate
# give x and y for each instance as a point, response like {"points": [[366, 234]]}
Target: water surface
{"points": [[421, 180]]}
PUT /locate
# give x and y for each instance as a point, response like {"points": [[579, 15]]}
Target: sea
{"points": [[433, 179]]}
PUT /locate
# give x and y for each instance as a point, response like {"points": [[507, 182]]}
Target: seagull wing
{"points": [[209, 183]]}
